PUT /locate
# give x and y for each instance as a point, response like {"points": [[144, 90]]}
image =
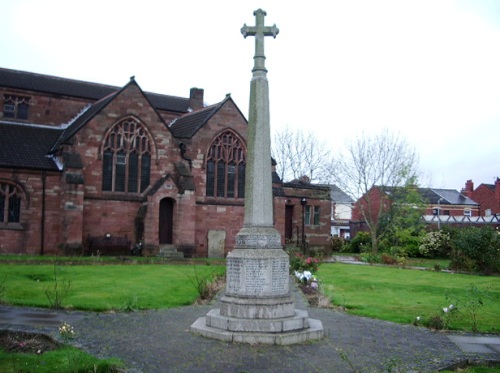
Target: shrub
{"points": [[300, 263], [370, 258], [337, 243], [435, 244], [388, 259], [476, 249], [361, 242]]}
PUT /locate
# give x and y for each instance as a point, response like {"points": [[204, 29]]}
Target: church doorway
{"points": [[166, 221]]}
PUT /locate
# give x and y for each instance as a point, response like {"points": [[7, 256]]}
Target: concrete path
{"points": [[159, 341]]}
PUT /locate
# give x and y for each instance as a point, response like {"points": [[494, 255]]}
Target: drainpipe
{"points": [[42, 238]]}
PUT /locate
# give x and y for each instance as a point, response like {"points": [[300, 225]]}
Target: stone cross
{"points": [[259, 31], [257, 306]]}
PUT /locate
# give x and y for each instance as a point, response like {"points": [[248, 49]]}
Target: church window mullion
{"points": [[126, 158], [225, 167]]}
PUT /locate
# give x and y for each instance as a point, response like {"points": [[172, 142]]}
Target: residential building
{"points": [[487, 195], [441, 206]]}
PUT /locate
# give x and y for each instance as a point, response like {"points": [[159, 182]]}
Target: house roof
{"points": [[26, 146], [440, 196], [451, 197], [188, 124], [338, 195], [23, 80]]}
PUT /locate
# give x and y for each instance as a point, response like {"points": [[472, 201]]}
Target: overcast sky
{"points": [[426, 69]]}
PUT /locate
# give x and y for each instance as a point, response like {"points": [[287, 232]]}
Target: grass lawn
{"points": [[104, 287], [400, 295], [65, 359]]}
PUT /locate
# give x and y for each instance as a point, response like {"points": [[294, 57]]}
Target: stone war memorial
{"points": [[257, 306]]}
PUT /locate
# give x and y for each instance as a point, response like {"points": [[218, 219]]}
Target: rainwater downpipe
{"points": [[42, 238]]}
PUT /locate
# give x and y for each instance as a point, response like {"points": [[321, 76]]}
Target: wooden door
{"points": [[166, 221]]}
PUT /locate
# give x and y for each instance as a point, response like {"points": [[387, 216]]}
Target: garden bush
{"points": [[361, 242], [300, 263], [436, 244], [337, 244], [476, 249]]}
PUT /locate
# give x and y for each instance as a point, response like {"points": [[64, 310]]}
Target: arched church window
{"points": [[226, 167], [10, 203], [126, 158]]}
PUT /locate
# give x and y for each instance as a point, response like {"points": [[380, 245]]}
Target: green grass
{"points": [[400, 295], [428, 263], [73, 260], [477, 369], [62, 360], [104, 287]]}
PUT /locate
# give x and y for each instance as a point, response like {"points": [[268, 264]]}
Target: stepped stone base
{"points": [[286, 331], [169, 251]]}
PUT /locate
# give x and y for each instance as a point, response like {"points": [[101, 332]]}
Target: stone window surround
{"points": [[12, 198], [127, 136], [15, 107], [226, 153]]}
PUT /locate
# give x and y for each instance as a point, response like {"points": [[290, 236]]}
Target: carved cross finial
{"points": [[259, 31]]}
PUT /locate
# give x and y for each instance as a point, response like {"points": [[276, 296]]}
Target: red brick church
{"points": [[83, 162]]}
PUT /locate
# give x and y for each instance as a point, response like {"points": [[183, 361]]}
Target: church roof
{"points": [[26, 146], [76, 88], [187, 125], [82, 119]]}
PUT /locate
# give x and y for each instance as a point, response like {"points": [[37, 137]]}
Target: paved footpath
{"points": [[159, 341]]}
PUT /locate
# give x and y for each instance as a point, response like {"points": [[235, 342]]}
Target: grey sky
{"points": [[428, 69]]}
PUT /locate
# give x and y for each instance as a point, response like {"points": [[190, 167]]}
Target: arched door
{"points": [[166, 221]]}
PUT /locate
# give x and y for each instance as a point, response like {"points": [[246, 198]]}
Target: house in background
{"points": [[341, 212], [441, 206], [487, 195], [84, 162]]}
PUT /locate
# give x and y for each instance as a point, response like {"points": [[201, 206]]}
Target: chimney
{"points": [[196, 99], [469, 188]]}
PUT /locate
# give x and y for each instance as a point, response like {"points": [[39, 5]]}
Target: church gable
{"points": [[124, 146]]}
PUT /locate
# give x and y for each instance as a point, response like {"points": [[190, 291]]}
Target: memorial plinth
{"points": [[257, 306]]}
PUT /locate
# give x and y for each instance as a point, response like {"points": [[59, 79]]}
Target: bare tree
{"points": [[298, 154], [368, 168]]}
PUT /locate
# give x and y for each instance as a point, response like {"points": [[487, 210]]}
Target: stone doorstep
{"points": [[299, 321], [314, 332]]}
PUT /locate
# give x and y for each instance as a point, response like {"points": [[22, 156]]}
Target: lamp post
{"points": [[303, 202], [439, 212]]}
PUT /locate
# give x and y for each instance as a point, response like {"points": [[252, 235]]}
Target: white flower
{"points": [[451, 307], [445, 310], [418, 318]]}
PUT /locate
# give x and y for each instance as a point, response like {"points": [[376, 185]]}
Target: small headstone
{"points": [[216, 243]]}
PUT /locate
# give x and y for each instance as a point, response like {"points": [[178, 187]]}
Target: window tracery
{"points": [[126, 158], [10, 203], [226, 167]]}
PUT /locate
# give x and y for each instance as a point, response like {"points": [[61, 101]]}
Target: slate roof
{"points": [[26, 146], [451, 197], [76, 88], [82, 119], [187, 125], [447, 196], [338, 195]]}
